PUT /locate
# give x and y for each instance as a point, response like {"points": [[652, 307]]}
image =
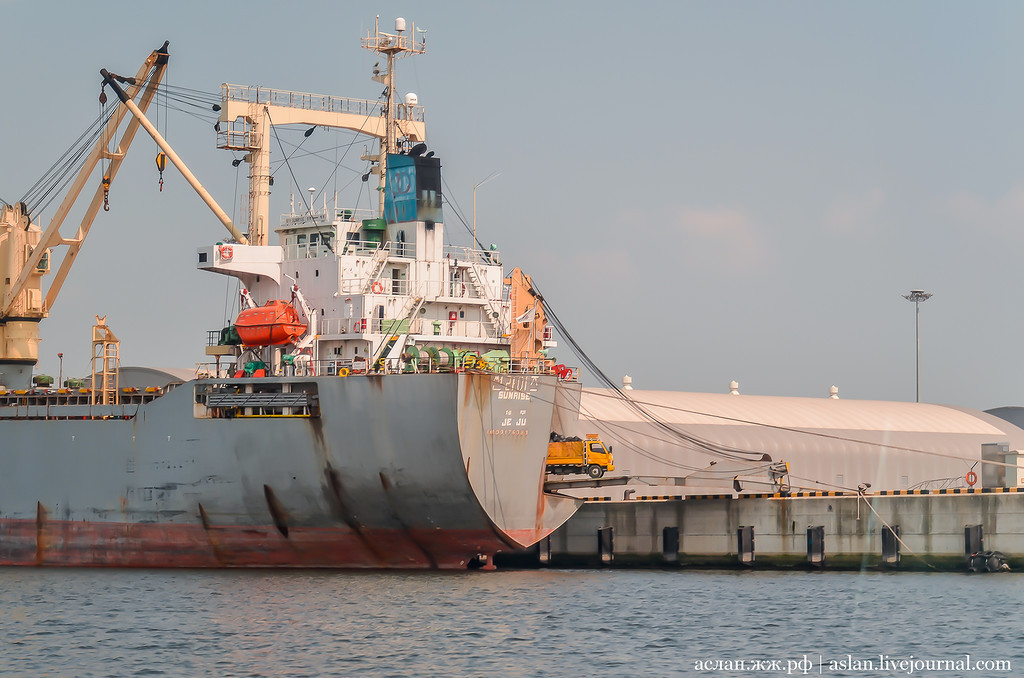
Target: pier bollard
{"points": [[891, 545], [605, 544], [974, 540], [544, 551], [745, 544], [670, 545], [816, 545]]}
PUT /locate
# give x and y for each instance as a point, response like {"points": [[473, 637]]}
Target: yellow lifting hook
{"points": [[106, 193], [161, 164]]}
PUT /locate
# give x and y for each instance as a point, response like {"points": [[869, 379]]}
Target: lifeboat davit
{"points": [[275, 323]]}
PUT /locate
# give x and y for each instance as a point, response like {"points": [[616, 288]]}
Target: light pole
{"points": [[491, 176], [917, 296], [60, 373]]}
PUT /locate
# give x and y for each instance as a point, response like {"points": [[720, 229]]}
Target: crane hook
{"points": [[161, 164]]}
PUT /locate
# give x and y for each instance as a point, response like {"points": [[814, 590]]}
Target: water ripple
{"points": [[94, 623]]}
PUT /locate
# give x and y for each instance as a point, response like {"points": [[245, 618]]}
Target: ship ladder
{"points": [[474, 277], [380, 260]]}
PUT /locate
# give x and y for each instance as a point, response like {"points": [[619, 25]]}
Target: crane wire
{"points": [[337, 162], [708, 446], [69, 162], [309, 209], [458, 212]]}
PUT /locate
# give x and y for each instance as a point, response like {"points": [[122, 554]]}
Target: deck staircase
{"points": [[377, 264], [392, 346], [476, 279]]}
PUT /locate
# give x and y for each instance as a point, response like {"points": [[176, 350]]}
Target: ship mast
{"points": [[248, 113], [392, 46]]}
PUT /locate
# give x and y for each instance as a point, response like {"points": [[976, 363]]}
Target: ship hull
{"points": [[404, 471]]}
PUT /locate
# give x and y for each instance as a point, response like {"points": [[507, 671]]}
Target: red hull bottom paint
{"points": [[93, 544]]}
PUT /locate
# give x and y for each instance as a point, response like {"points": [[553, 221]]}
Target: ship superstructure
{"points": [[380, 291]]}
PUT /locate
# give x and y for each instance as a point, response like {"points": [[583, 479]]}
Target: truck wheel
{"points": [[595, 471]]}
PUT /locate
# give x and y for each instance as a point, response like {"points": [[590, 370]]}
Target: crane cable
{"points": [[707, 446], [309, 208], [69, 162]]}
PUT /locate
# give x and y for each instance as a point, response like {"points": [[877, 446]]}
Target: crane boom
{"points": [[139, 116]]}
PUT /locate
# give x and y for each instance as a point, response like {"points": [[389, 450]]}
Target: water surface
{"points": [[85, 622]]}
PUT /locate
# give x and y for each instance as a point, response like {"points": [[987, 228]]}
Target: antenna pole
{"points": [[491, 176], [392, 46]]}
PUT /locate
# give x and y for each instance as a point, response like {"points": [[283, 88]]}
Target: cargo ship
{"points": [[382, 399]]}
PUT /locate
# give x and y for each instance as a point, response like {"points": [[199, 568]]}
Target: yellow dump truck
{"points": [[573, 455]]}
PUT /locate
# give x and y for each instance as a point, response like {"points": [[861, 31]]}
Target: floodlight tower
{"points": [[917, 296]]}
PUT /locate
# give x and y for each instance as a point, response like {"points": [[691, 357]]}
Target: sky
{"points": [[703, 191]]}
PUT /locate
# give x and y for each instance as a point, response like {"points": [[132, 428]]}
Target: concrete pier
{"points": [[923, 529]]}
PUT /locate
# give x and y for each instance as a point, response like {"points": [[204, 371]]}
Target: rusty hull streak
{"points": [[209, 535], [41, 515], [277, 512], [337, 498], [386, 484], [335, 494]]}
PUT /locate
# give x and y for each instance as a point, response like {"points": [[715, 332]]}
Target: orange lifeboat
{"points": [[276, 322]]}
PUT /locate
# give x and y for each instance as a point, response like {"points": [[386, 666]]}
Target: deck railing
{"points": [[315, 102], [424, 365]]}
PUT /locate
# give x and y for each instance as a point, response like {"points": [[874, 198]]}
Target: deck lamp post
{"points": [[492, 176], [917, 296]]}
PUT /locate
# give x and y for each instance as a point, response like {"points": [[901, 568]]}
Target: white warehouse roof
{"points": [[830, 444]]}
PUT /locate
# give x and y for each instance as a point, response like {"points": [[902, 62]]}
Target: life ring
{"points": [[378, 287], [357, 325], [226, 252], [343, 372], [971, 478]]}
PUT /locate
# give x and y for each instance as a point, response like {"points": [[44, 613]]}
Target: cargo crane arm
{"points": [[157, 62], [140, 117]]}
